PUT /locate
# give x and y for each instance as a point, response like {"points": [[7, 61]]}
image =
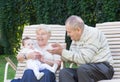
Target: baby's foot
{"points": [[39, 75], [54, 68]]}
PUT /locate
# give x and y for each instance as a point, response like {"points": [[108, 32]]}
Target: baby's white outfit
{"points": [[36, 65]]}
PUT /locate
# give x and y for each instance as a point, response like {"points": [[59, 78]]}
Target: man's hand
{"points": [[57, 49]]}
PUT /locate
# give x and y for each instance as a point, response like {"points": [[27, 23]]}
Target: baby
{"points": [[36, 65]]}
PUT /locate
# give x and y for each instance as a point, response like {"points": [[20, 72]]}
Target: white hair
{"points": [[44, 27]]}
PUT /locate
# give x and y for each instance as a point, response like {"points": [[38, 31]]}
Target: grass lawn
{"points": [[11, 72]]}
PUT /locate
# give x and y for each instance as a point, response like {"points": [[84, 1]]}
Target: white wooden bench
{"points": [[110, 29], [112, 33], [57, 35]]}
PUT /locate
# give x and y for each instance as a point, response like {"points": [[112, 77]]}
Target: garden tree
{"points": [[2, 38], [15, 14], [107, 10]]}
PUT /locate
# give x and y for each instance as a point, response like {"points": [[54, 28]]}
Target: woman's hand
{"points": [[42, 59], [32, 55], [58, 62]]}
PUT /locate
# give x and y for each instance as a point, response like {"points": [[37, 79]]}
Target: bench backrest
{"points": [[110, 29], [112, 33], [57, 35]]}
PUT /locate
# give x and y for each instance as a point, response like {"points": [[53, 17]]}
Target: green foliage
{"points": [[17, 13], [12, 24], [108, 10]]}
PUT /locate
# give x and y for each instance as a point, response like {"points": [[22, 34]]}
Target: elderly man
{"points": [[89, 51]]}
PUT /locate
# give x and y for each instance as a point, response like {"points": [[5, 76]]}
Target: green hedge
{"points": [[17, 13]]}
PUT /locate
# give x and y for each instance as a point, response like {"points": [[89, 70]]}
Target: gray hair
{"points": [[75, 22], [44, 27]]}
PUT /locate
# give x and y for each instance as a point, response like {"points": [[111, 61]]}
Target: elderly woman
{"points": [[42, 36]]}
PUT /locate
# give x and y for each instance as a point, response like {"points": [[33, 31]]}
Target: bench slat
{"points": [[112, 33]]}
